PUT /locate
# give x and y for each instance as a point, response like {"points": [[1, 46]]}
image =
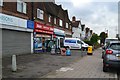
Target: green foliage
{"points": [[94, 39], [103, 36], [88, 42]]}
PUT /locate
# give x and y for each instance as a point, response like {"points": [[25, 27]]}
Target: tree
{"points": [[102, 36], [94, 39]]}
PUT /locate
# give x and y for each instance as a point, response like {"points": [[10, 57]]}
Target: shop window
{"points": [[21, 6], [66, 25], [49, 18], [60, 22], [55, 21], [40, 14], [1, 2]]}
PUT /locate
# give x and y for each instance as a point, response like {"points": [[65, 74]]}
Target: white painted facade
{"points": [[76, 31], [83, 35]]}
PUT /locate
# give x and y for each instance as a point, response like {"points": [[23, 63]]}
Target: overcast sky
{"points": [[98, 16]]}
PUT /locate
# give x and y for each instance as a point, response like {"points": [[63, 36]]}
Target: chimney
{"points": [[87, 30], [73, 18], [91, 31], [83, 26]]}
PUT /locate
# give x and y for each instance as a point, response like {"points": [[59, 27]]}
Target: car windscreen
{"points": [[79, 42], [115, 46], [108, 40], [70, 41]]}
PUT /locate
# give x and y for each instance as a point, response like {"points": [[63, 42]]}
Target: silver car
{"points": [[112, 56]]}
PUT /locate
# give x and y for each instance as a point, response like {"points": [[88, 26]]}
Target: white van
{"points": [[84, 45], [73, 43]]}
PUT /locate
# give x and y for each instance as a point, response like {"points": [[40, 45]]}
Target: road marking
{"points": [[64, 69]]}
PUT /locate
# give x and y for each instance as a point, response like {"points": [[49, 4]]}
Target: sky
{"points": [[98, 16]]}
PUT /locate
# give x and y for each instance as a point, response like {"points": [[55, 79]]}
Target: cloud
{"points": [[96, 15]]}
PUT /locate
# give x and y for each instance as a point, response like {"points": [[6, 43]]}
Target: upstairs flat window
{"points": [[49, 18], [70, 27], [1, 2], [60, 22], [21, 6], [40, 14], [55, 21], [66, 25]]}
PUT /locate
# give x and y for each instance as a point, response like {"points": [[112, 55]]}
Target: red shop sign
{"points": [[42, 31], [43, 27]]}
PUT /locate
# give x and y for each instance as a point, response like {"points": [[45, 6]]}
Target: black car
{"points": [[112, 56]]}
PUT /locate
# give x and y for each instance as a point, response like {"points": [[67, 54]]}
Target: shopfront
{"points": [[43, 34], [60, 35], [16, 37]]}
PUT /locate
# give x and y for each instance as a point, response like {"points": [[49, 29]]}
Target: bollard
{"points": [[14, 66]]}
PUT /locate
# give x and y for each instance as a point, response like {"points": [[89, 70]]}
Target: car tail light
{"points": [[109, 51]]}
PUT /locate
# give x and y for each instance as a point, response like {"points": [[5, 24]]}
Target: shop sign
{"points": [[68, 33], [43, 27], [30, 24], [59, 32], [43, 31], [12, 20]]}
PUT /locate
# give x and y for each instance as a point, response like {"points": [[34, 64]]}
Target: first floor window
{"points": [[60, 22], [40, 14], [21, 6], [70, 27], [1, 2], [66, 25], [49, 18], [55, 21]]}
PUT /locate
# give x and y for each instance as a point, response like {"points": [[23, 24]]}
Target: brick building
{"points": [[28, 26], [54, 22], [16, 27]]}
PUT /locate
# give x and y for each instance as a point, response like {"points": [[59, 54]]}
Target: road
{"points": [[57, 66], [88, 67]]}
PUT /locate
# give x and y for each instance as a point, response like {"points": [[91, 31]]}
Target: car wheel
{"points": [[105, 69]]}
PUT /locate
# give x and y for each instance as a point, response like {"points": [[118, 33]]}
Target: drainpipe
{"points": [[32, 18], [32, 13]]}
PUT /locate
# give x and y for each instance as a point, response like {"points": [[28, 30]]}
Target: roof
{"points": [[51, 8], [114, 42], [75, 24], [56, 10], [66, 16]]}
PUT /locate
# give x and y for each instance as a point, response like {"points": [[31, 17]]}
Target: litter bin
{"points": [[68, 52], [89, 52]]}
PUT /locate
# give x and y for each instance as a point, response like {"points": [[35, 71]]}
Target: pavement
{"points": [[89, 66], [38, 65], [47, 66]]}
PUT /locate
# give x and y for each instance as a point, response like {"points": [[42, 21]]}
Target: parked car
{"points": [[112, 56], [107, 41]]}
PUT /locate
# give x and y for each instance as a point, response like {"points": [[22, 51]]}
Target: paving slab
{"points": [[89, 66]]}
